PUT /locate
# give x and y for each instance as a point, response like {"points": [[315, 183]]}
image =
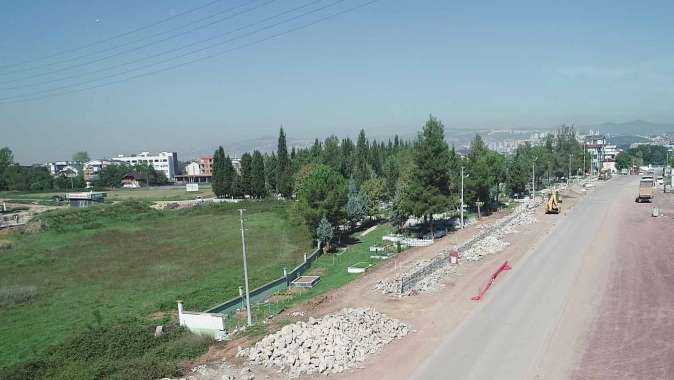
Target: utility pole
{"points": [[584, 154], [568, 179], [533, 180], [245, 267], [462, 197]]}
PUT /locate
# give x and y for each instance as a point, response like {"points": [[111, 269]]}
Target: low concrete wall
{"points": [[212, 324]]}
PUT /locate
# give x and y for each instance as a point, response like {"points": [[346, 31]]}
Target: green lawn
{"points": [[128, 261], [333, 271]]}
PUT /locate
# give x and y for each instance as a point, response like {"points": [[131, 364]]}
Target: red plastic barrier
{"points": [[504, 266]]}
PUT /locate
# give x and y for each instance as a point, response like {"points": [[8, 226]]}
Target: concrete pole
{"points": [[180, 313], [462, 198], [533, 180], [568, 179], [245, 268]]}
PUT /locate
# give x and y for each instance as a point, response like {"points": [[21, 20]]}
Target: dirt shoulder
{"points": [[632, 334]]}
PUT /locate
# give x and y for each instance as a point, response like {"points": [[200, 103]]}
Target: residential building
{"points": [[206, 165], [165, 162], [193, 168], [92, 169], [595, 145], [67, 168]]}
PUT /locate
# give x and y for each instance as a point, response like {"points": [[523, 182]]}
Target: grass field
{"points": [[107, 263], [333, 271], [167, 193]]}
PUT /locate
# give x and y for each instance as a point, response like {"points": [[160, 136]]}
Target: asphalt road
{"points": [[506, 336]]}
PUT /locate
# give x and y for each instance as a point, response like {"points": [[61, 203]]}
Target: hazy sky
{"points": [[383, 67]]}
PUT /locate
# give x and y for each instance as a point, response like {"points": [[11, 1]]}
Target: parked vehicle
{"points": [[646, 189]]}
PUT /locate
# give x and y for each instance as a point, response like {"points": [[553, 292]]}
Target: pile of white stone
{"points": [[327, 345], [432, 281], [494, 242]]}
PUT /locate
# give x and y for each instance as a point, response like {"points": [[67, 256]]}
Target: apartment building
{"points": [[165, 162]]}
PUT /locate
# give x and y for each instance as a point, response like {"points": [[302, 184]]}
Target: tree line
{"points": [[643, 155], [34, 178], [339, 182]]}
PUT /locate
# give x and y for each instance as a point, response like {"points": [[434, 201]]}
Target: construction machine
{"points": [[552, 205]]}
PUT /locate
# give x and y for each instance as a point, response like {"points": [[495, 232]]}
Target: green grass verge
{"points": [[114, 262], [333, 271]]}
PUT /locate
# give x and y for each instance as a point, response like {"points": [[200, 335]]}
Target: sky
{"points": [[187, 76]]}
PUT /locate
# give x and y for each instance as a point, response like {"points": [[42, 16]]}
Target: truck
{"points": [[646, 189]]}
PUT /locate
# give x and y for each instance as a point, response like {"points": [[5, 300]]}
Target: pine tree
{"points": [[258, 189], [428, 190], [283, 167]]}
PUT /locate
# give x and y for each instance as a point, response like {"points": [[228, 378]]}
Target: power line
{"points": [[98, 42], [127, 63], [112, 48], [176, 66], [184, 55]]}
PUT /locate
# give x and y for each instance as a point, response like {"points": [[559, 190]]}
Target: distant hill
{"points": [[631, 128]]}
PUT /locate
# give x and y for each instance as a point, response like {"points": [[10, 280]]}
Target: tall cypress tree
{"points": [[283, 168], [219, 173], [229, 171], [361, 167], [247, 174], [258, 176]]}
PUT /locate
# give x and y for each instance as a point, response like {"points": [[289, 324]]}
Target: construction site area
{"points": [[549, 289]]}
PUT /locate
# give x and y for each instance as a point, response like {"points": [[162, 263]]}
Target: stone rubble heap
{"points": [[431, 282], [494, 241], [327, 345]]}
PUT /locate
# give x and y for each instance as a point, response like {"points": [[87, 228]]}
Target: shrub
{"points": [[17, 295], [123, 350]]}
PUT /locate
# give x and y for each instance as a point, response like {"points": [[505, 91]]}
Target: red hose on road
{"points": [[492, 278]]}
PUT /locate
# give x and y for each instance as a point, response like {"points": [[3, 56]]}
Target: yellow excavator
{"points": [[552, 205]]}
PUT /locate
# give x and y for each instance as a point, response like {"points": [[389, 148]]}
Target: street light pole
{"points": [[568, 179], [462, 197], [533, 180], [245, 268]]}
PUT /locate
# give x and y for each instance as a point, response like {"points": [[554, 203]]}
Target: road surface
{"points": [[508, 335]]}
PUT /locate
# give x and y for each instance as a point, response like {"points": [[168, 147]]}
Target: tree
{"points": [[247, 174], [361, 167], [219, 173], [321, 192], [283, 168], [325, 232], [270, 172], [375, 192], [428, 189], [258, 187], [356, 205], [6, 160], [81, 157]]}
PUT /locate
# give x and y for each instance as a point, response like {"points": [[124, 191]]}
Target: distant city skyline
{"points": [[382, 66]]}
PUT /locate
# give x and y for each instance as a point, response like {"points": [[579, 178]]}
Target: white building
{"points": [[595, 146], [193, 168], [165, 162]]}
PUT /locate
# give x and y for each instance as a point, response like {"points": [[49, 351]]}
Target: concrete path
{"points": [[506, 336]]}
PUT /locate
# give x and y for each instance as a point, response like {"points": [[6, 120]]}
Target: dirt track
{"points": [[632, 335]]}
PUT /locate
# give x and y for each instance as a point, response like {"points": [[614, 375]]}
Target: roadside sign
{"points": [[191, 187]]}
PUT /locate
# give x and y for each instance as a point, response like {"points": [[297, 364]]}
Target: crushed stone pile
{"points": [[493, 241], [433, 281], [328, 345]]}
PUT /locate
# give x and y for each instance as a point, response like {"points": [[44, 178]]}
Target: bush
{"points": [[17, 295], [93, 217], [124, 350]]}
